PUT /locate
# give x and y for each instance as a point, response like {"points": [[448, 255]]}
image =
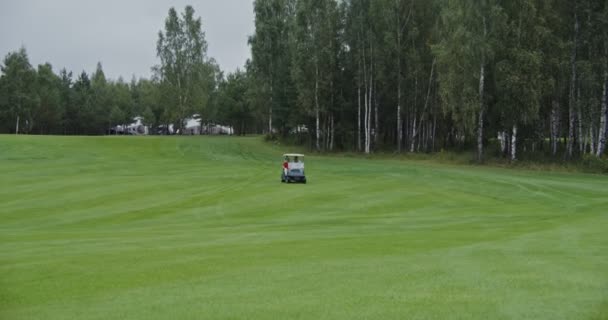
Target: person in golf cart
{"points": [[293, 170], [285, 166]]}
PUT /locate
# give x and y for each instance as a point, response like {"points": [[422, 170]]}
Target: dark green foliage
{"points": [[18, 89], [233, 106]]}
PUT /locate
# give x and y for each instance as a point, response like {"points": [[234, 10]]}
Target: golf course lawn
{"points": [[202, 228]]}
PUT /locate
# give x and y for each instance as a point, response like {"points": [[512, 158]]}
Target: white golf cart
{"points": [[293, 168]]}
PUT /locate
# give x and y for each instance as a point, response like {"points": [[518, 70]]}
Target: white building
{"points": [[135, 128], [194, 126]]}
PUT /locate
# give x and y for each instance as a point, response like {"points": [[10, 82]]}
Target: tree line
{"points": [[420, 76], [37, 100], [504, 78]]}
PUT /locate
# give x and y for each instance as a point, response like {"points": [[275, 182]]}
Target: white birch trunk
{"points": [[399, 124], [368, 134], [514, 144], [318, 129], [17, 126], [482, 75], [270, 120], [368, 125], [592, 140], [424, 111], [601, 141], [429, 131], [414, 133], [572, 99], [433, 135], [376, 121], [365, 121], [406, 129], [480, 136], [503, 143], [270, 110], [366, 105], [332, 130], [581, 139], [554, 126], [359, 118]]}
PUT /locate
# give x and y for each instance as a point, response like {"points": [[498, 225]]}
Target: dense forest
{"points": [[503, 78]]}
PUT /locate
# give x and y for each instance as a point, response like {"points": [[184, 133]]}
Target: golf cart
{"points": [[293, 168]]}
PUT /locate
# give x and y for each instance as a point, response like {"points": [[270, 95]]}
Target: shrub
{"points": [[594, 164]]}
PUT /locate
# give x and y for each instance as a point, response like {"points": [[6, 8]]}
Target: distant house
{"points": [[194, 126], [165, 130], [299, 129], [135, 128]]}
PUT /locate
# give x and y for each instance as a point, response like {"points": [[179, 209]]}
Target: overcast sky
{"points": [[122, 34]]}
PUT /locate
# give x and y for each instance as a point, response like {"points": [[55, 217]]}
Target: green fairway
{"points": [[202, 228]]}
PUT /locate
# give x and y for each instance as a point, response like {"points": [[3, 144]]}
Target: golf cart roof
{"points": [[293, 155]]}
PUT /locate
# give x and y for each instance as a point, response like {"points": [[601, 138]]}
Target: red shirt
{"points": [[285, 165]]}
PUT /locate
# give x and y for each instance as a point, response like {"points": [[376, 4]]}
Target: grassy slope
{"points": [[191, 228]]}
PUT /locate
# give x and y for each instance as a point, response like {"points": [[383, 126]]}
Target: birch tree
{"points": [[182, 50], [271, 53], [463, 55], [603, 63], [517, 74], [572, 116], [18, 83]]}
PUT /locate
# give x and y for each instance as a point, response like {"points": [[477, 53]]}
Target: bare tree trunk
{"points": [[554, 126], [429, 130], [369, 106], [503, 142], [366, 116], [318, 129], [480, 136], [414, 134], [328, 134], [424, 110], [399, 124], [324, 133], [359, 118], [365, 122], [270, 114], [420, 134], [592, 140], [434, 131], [427, 127], [365, 103], [365, 107], [376, 121], [581, 139], [368, 139], [331, 138], [415, 115], [514, 144], [406, 128], [601, 143], [17, 125], [572, 98], [423, 127], [482, 75]]}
